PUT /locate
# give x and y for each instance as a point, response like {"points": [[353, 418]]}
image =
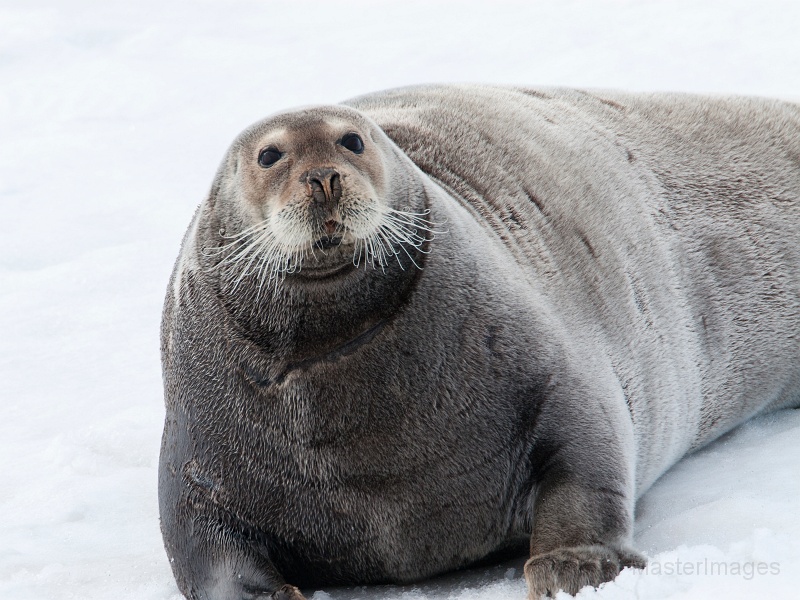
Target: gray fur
{"points": [[619, 284]]}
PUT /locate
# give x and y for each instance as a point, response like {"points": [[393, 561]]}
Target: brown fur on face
{"points": [[318, 195], [310, 143]]}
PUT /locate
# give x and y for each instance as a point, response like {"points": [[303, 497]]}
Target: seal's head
{"points": [[317, 193]]}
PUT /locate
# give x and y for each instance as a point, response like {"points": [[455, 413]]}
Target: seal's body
{"points": [[432, 324]]}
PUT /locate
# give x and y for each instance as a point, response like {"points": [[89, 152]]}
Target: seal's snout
{"points": [[324, 185], [325, 192]]}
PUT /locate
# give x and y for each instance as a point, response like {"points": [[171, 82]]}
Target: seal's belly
{"points": [[382, 533]]}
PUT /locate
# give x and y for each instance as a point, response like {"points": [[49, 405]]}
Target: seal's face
{"points": [[313, 190]]}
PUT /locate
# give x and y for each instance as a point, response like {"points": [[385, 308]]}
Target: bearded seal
{"points": [[432, 324]]}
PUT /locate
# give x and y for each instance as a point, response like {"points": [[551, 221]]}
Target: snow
{"points": [[114, 116]]}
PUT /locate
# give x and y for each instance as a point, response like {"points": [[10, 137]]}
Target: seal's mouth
{"points": [[324, 272], [330, 255], [327, 242]]}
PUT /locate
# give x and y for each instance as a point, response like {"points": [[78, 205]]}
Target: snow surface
{"points": [[114, 116]]}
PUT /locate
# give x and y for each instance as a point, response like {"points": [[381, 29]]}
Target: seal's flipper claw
{"points": [[287, 592], [571, 569]]}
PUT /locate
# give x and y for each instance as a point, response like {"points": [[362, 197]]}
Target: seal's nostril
{"points": [[330, 226], [318, 192], [336, 186], [324, 185]]}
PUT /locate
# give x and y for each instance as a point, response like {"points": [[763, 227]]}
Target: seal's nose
{"points": [[324, 185]]}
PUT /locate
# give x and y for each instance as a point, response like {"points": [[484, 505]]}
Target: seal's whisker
{"points": [[244, 232], [386, 241], [260, 243], [213, 251], [416, 223], [386, 244], [237, 239], [397, 236], [368, 258], [266, 263], [379, 233], [410, 214], [417, 219], [416, 226], [382, 253], [370, 241], [412, 239], [250, 253], [382, 235], [252, 237], [251, 247], [402, 234]]}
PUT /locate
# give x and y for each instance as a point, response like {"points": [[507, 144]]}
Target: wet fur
{"points": [[619, 284]]}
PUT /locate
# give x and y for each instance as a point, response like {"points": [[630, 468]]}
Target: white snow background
{"points": [[113, 118]]}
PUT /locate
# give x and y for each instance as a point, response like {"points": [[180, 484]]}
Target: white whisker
{"points": [[377, 233]]}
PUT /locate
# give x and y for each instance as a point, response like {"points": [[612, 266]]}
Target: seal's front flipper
{"points": [[570, 569], [580, 535]]}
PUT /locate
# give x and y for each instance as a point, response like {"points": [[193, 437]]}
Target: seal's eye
{"points": [[353, 142], [269, 156]]}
